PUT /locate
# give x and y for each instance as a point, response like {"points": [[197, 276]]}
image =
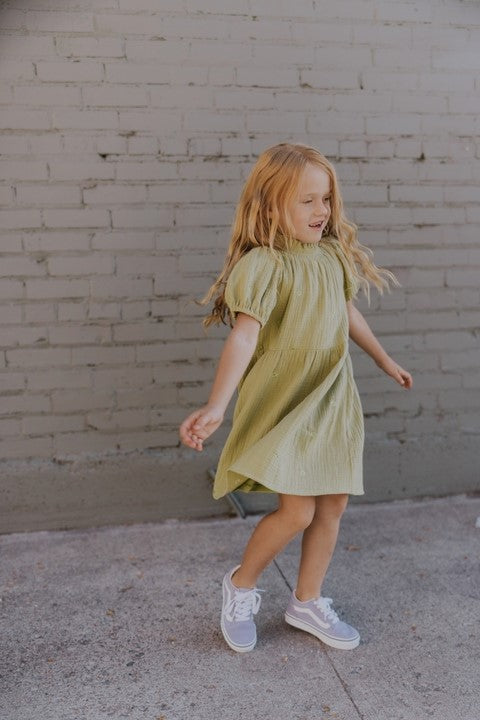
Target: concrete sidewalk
{"points": [[123, 622]]}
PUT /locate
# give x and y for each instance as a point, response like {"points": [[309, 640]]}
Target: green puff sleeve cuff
{"points": [[251, 285]]}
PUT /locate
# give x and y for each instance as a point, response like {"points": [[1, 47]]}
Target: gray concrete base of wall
{"points": [[151, 486]]}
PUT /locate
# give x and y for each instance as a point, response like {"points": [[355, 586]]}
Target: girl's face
{"points": [[309, 210]]}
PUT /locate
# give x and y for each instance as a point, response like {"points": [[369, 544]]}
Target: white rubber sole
{"points": [[339, 644], [237, 648]]}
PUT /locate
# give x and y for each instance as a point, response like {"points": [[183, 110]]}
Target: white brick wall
{"points": [[127, 129]]}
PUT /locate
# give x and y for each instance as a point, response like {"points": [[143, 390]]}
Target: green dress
{"points": [[298, 421]]}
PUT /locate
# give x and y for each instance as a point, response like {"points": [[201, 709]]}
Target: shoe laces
{"points": [[323, 603], [244, 604]]}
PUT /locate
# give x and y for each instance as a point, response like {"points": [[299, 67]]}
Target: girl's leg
{"points": [[272, 534], [318, 544]]}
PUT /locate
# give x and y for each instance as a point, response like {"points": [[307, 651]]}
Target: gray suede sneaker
{"points": [[318, 618], [239, 606]]}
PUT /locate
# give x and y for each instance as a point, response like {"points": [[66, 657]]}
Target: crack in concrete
{"points": [[324, 650]]}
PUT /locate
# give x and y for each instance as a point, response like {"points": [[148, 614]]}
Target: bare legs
{"points": [[318, 543], [273, 532], [319, 518]]}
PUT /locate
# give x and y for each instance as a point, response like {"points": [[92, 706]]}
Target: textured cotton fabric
{"points": [[298, 422]]}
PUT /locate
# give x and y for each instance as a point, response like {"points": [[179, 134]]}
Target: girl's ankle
{"points": [[305, 597], [240, 585]]}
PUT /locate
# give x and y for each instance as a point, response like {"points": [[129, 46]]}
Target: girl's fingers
{"points": [[185, 429], [197, 427], [189, 421], [405, 378], [202, 421]]}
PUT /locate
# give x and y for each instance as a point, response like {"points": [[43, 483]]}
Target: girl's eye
{"points": [[305, 202]]}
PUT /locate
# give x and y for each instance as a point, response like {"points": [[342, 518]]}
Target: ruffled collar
{"points": [[298, 246]]}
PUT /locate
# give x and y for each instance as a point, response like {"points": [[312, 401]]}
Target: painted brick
{"points": [[26, 46], [102, 355], [114, 194], [85, 119], [52, 194], [13, 145], [78, 170], [120, 287], [10, 381], [47, 424], [159, 170], [123, 155], [59, 21], [11, 219], [143, 146], [24, 120], [39, 357], [75, 310], [46, 95], [77, 443], [129, 24], [15, 70], [58, 379], [25, 448], [24, 403], [11, 289], [147, 264], [52, 288], [146, 74], [23, 170], [13, 19], [24, 266], [93, 264], [105, 47], [56, 240], [76, 218], [73, 72], [148, 217], [117, 240], [114, 96]]}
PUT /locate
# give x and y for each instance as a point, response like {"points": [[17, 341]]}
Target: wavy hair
{"points": [[261, 219]]}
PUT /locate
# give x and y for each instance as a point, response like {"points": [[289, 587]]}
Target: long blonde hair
{"points": [[261, 213]]}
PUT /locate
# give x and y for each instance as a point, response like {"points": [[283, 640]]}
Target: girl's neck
{"points": [[297, 246]]}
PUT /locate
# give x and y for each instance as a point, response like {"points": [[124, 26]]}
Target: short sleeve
{"points": [[350, 283], [251, 287]]}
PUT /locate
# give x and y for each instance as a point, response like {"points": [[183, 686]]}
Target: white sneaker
{"points": [[319, 618], [239, 606]]}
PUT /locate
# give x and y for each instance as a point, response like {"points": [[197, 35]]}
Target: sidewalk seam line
{"points": [[324, 650]]}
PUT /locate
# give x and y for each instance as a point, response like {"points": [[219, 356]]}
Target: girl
{"points": [[293, 266]]}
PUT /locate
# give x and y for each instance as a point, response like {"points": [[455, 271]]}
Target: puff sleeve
{"points": [[251, 287]]}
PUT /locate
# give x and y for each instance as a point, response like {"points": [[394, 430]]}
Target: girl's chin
{"points": [[315, 232]]}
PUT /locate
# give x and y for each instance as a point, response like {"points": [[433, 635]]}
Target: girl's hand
{"points": [[390, 367], [199, 425]]}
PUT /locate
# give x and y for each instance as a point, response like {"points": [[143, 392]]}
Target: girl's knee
{"points": [[332, 505], [299, 510]]}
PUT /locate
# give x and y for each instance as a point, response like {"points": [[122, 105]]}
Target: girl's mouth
{"points": [[318, 225]]}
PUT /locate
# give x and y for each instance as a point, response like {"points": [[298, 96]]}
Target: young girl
{"points": [[292, 268]]}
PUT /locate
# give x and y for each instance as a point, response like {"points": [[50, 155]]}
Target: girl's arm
{"points": [[361, 334], [236, 354]]}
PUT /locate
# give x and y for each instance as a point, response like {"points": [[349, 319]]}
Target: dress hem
{"points": [[269, 490]]}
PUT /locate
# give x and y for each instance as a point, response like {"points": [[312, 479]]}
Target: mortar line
{"points": [[325, 652]]}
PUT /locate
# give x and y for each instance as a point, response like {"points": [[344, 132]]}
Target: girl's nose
{"points": [[322, 210]]}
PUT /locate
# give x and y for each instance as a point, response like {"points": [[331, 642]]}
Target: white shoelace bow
{"points": [[323, 603], [244, 603]]}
